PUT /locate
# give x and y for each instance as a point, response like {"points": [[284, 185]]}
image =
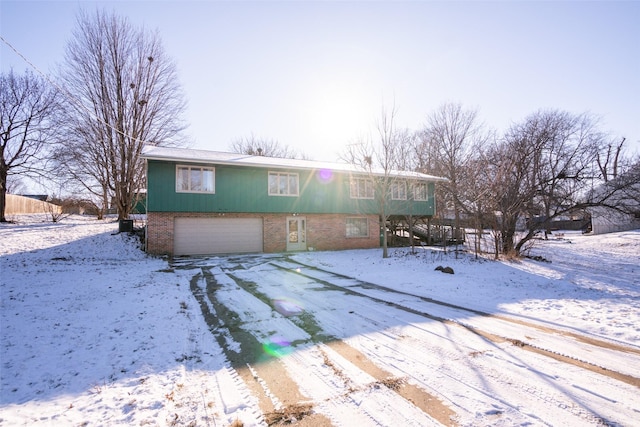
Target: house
{"points": [[625, 196], [607, 221], [208, 202]]}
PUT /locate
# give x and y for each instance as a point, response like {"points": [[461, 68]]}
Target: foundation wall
{"points": [[324, 231]]}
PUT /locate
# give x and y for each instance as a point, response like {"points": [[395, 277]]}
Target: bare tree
{"points": [[381, 156], [452, 137], [85, 172], [15, 185], [255, 146], [124, 93], [630, 192], [510, 190], [406, 142], [609, 157], [476, 192], [543, 169], [455, 134], [27, 106], [620, 194]]}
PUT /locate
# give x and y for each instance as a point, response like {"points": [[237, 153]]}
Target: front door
{"points": [[296, 233]]}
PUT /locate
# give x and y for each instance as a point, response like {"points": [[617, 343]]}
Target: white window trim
{"points": [[397, 185], [192, 167], [358, 236], [358, 196], [426, 192], [280, 175]]}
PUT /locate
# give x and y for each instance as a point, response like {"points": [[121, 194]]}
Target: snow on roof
{"points": [[224, 158]]}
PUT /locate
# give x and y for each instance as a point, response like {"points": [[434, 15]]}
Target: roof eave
{"points": [[313, 165]]}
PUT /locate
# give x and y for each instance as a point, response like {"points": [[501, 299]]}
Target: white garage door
{"points": [[203, 236]]}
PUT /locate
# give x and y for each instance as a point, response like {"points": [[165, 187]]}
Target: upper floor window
{"points": [[361, 188], [283, 184], [399, 190], [195, 179], [420, 191]]}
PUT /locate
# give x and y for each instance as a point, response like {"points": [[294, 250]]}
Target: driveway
{"points": [[321, 348]]}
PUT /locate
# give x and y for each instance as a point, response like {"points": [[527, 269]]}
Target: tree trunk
{"points": [[454, 232], [478, 240], [525, 239], [507, 235], [413, 246], [105, 203], [3, 194], [385, 250]]}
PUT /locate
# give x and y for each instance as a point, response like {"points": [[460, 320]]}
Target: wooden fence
{"points": [[26, 205]]}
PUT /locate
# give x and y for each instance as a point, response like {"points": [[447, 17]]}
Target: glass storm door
{"points": [[296, 233]]}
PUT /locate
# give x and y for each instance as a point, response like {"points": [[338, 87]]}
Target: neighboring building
{"points": [[578, 221], [41, 197], [206, 202], [606, 220]]}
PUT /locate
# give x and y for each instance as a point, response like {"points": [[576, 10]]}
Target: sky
{"points": [[315, 76]]}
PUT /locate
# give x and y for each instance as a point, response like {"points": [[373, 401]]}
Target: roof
{"points": [[223, 158], [41, 197]]}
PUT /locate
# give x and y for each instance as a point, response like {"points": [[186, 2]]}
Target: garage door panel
{"points": [[202, 236]]}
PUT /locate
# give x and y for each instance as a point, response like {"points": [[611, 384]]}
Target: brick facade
{"points": [[328, 232], [159, 238], [324, 231]]}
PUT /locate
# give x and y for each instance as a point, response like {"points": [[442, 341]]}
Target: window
{"points": [[357, 227], [283, 184], [399, 190], [361, 188], [195, 179], [420, 192]]}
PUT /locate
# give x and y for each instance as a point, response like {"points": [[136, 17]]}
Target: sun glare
{"points": [[339, 110]]}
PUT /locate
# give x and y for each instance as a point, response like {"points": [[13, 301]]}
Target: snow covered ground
{"points": [[94, 332]]}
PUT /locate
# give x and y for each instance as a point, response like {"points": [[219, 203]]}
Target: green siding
{"points": [[244, 189]]}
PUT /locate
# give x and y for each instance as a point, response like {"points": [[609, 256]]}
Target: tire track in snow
{"points": [[351, 395], [509, 374], [417, 347], [427, 402], [509, 408], [411, 395], [550, 397], [495, 337], [275, 402], [503, 412], [379, 316], [230, 390]]}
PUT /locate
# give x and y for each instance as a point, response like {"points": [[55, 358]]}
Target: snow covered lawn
{"points": [[95, 332]]}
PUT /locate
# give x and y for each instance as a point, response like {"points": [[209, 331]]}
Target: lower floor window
{"points": [[357, 227]]}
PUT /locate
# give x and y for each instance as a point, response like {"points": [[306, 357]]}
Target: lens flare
{"points": [[324, 175], [277, 347]]}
